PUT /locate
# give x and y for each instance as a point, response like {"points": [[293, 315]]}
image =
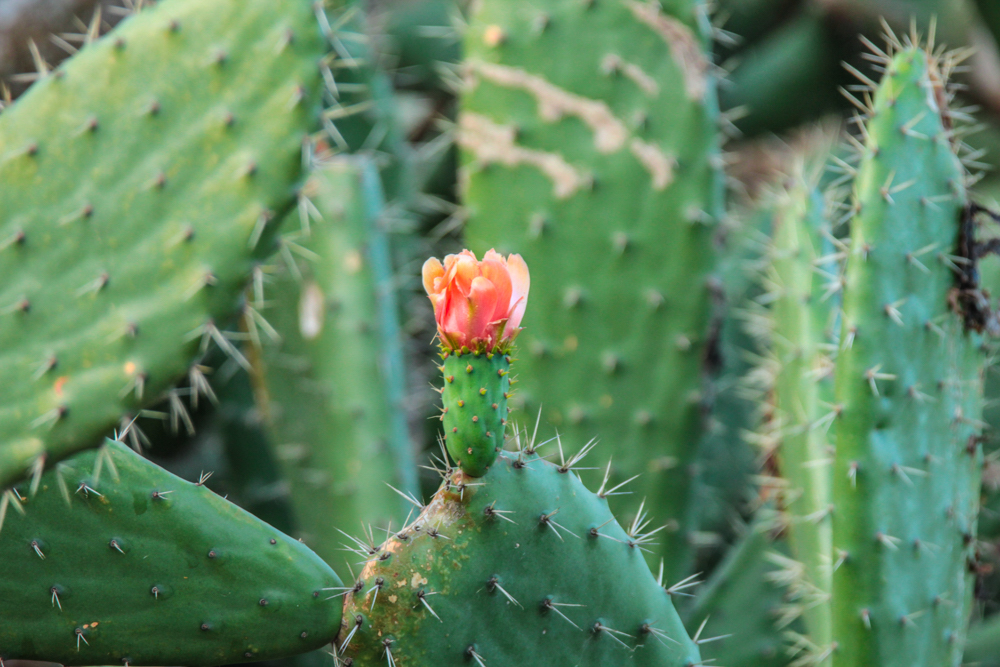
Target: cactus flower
{"points": [[478, 305]]}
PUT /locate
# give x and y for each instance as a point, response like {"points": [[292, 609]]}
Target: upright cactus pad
{"points": [[744, 603], [804, 280], [137, 180], [474, 399], [332, 388], [523, 566], [908, 386], [601, 117], [117, 562]]}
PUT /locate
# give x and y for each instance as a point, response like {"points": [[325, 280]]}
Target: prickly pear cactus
{"points": [[804, 289], [601, 117], [138, 181], [332, 388], [908, 385], [116, 561], [522, 566]]}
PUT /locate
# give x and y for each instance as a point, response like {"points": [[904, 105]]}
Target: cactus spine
{"points": [[908, 385], [115, 561], [138, 182], [612, 148]]}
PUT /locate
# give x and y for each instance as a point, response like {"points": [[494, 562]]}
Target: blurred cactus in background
{"points": [[747, 418]]}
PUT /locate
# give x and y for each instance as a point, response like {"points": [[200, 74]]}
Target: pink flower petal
{"points": [[431, 272], [463, 270], [482, 303], [520, 284], [495, 270]]}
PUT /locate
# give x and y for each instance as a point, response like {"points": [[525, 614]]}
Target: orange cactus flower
{"points": [[478, 305]]}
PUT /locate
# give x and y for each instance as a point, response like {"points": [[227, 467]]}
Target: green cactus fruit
{"points": [[602, 118], [474, 396], [117, 562], [522, 566], [332, 388], [804, 293], [138, 181], [908, 383]]}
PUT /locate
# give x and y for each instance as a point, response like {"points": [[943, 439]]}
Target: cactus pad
{"points": [[523, 566], [601, 117], [803, 279], [117, 562], [332, 388], [908, 386], [138, 179]]}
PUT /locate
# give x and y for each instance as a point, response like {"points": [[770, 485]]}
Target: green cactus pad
{"points": [[116, 561], [803, 280], [908, 388], [727, 462], [601, 117], [476, 387], [523, 566], [332, 388], [744, 603], [138, 182]]}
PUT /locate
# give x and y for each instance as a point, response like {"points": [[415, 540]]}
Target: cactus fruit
{"points": [[474, 399], [908, 382], [804, 280], [613, 151], [522, 566], [138, 179], [332, 388], [117, 561]]}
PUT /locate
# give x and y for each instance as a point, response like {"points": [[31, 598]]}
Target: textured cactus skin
{"points": [[983, 647], [803, 342], [909, 396], [254, 475], [612, 149], [474, 399], [460, 547], [136, 180], [727, 462], [332, 388], [743, 602], [229, 588]]}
